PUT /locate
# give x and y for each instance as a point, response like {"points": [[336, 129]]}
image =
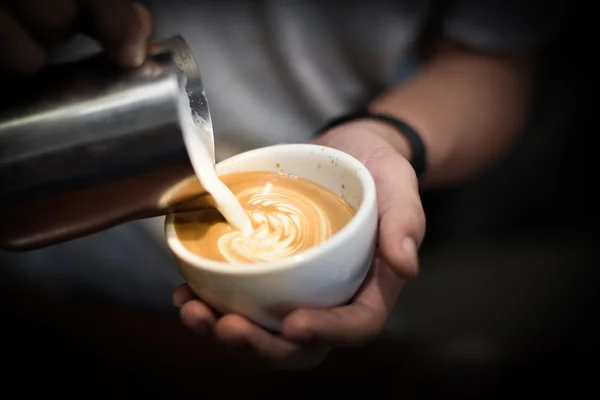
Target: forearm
{"points": [[468, 107]]}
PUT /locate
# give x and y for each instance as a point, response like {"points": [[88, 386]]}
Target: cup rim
{"points": [[368, 202]]}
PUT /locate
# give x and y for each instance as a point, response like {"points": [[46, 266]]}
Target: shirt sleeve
{"points": [[504, 26]]}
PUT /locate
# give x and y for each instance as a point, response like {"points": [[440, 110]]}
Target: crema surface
{"points": [[289, 215]]}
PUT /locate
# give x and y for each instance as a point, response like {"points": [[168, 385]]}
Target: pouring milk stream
{"points": [[204, 167]]}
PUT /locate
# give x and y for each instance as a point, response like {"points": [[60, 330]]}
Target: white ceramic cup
{"points": [[325, 275]]}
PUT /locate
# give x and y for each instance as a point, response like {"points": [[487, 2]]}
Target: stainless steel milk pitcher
{"points": [[85, 146]]}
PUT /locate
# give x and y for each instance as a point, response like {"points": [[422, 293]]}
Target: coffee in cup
{"points": [[289, 216]]}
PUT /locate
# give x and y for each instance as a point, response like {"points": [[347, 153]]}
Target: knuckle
{"points": [[420, 220], [414, 219], [382, 160]]}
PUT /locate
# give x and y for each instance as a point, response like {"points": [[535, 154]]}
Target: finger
{"points": [[197, 316], [121, 26], [401, 215], [354, 324], [182, 294], [48, 22], [145, 20], [19, 53], [238, 332]]}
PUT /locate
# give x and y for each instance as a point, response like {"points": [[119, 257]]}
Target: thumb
{"points": [[401, 215]]}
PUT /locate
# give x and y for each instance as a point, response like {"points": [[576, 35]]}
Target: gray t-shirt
{"points": [[274, 71]]}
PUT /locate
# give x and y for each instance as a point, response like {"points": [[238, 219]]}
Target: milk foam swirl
{"points": [[285, 222], [288, 215]]}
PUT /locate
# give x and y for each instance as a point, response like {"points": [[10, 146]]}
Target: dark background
{"points": [[505, 303]]}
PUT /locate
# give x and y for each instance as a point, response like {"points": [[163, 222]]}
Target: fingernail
{"points": [[410, 246]]}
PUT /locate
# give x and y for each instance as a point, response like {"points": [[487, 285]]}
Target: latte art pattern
{"points": [[285, 223], [289, 215]]}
